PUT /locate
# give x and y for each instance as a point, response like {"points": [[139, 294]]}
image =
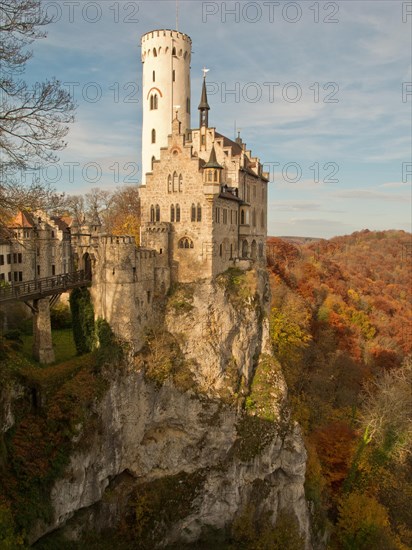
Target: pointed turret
{"points": [[212, 162], [204, 105], [212, 171]]}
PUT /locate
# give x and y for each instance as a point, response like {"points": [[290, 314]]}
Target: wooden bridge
{"points": [[39, 295], [46, 286]]}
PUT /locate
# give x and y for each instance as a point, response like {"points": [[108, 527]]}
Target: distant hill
{"points": [[341, 326]]}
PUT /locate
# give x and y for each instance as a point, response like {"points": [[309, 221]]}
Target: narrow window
{"points": [[157, 213], [53, 270], [153, 136], [215, 175], [9, 258], [199, 213], [178, 212], [188, 105], [175, 182], [180, 183], [153, 159], [174, 52], [221, 250], [254, 218], [154, 76], [38, 270], [2, 259], [193, 213], [152, 213], [169, 184], [20, 258], [242, 217], [172, 213], [154, 52], [174, 75]]}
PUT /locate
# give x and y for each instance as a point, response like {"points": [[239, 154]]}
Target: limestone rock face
{"points": [[150, 430]]}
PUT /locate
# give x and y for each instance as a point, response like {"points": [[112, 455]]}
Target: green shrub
{"points": [[84, 332], [60, 316]]}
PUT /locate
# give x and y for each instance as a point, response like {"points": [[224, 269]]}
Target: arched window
{"points": [[154, 52], [180, 183], [244, 249], [242, 217], [153, 102], [254, 250], [254, 218], [175, 182], [210, 175], [153, 159], [260, 250], [185, 243], [152, 213], [172, 213], [199, 213], [193, 213], [157, 213], [215, 175], [178, 212], [153, 136], [169, 184], [221, 250]]}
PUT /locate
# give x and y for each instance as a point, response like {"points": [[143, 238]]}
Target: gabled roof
{"points": [[60, 223], [22, 219], [236, 148]]}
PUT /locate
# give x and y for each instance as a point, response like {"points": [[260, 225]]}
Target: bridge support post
{"points": [[42, 337]]}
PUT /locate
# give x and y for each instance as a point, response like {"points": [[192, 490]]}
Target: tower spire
{"points": [[204, 105]]}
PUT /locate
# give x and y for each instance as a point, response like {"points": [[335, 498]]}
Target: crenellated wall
{"points": [[126, 282]]}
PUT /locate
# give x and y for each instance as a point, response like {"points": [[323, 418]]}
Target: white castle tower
{"points": [[166, 56]]}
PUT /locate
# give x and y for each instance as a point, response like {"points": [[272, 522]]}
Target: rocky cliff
{"points": [[193, 432]]}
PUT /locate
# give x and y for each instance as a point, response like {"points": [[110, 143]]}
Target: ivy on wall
{"points": [[84, 332]]}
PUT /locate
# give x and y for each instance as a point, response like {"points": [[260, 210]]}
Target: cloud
{"points": [[395, 184], [290, 206], [370, 195]]}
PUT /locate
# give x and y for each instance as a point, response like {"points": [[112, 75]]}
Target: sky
{"points": [[321, 92]]}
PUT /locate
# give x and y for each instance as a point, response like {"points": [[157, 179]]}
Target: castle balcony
{"points": [[245, 230], [157, 227]]}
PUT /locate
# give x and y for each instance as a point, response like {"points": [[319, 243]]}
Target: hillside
{"points": [[341, 327]]}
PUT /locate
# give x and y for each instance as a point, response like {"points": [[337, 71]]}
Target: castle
{"points": [[204, 196], [203, 204]]}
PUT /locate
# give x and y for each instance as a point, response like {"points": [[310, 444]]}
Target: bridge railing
{"points": [[43, 286]]}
